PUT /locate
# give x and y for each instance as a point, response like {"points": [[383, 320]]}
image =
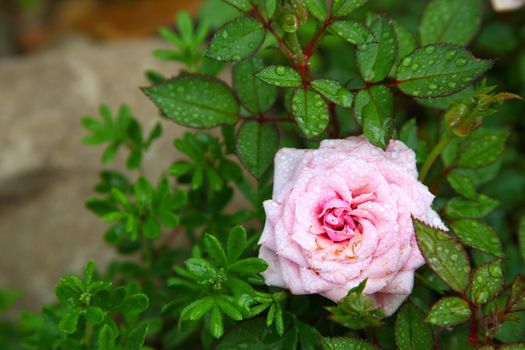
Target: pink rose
{"points": [[342, 213]]}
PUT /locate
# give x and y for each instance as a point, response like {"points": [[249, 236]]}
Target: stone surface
{"points": [[46, 173]]}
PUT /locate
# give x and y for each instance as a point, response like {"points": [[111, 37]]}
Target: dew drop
{"points": [[280, 70], [461, 62], [407, 61], [430, 50]]}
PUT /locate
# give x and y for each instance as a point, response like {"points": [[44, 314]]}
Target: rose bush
{"points": [[343, 213]]}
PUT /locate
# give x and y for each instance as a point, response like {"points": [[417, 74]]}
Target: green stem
{"points": [[427, 165]]}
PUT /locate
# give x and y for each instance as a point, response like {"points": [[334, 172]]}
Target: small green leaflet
{"points": [[236, 40], [375, 59], [374, 109], [254, 94], [438, 70], [317, 8], [346, 344], [195, 101], [351, 31], [310, 112], [487, 281], [460, 208], [282, 76], [256, 146], [106, 338], [412, 332], [462, 184], [449, 311], [334, 92], [450, 21], [444, 255], [482, 150], [341, 8], [216, 325], [516, 301], [477, 235]]}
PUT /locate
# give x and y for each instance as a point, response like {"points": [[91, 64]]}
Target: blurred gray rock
{"points": [[46, 173]]}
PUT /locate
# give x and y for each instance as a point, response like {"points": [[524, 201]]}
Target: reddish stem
{"points": [[393, 83], [268, 26], [314, 42]]}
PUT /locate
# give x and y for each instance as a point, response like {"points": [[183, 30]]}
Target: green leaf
{"points": [[94, 314], [200, 268], [341, 8], [375, 59], [459, 208], [351, 31], [374, 109], [237, 241], [487, 281], [256, 146], [216, 327], [334, 92], [317, 8], [346, 344], [151, 228], [450, 21], [310, 112], [68, 323], [110, 152], [446, 101], [135, 303], [214, 179], [137, 336], [482, 150], [282, 76], [248, 266], [444, 255], [462, 184], [229, 309], [448, 312], [516, 301], [195, 101], [214, 249], [106, 338], [408, 134], [356, 310], [89, 272], [477, 235], [438, 70], [255, 95], [412, 333], [237, 39], [244, 5], [197, 309]]}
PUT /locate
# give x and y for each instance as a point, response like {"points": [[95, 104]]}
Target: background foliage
{"points": [[302, 71]]}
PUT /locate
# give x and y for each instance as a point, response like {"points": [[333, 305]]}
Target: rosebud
{"points": [[461, 120], [289, 23], [465, 116]]}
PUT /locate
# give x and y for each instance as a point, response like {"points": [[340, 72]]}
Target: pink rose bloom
{"points": [[343, 213]]}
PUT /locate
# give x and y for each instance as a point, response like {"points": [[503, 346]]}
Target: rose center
{"points": [[337, 221]]}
